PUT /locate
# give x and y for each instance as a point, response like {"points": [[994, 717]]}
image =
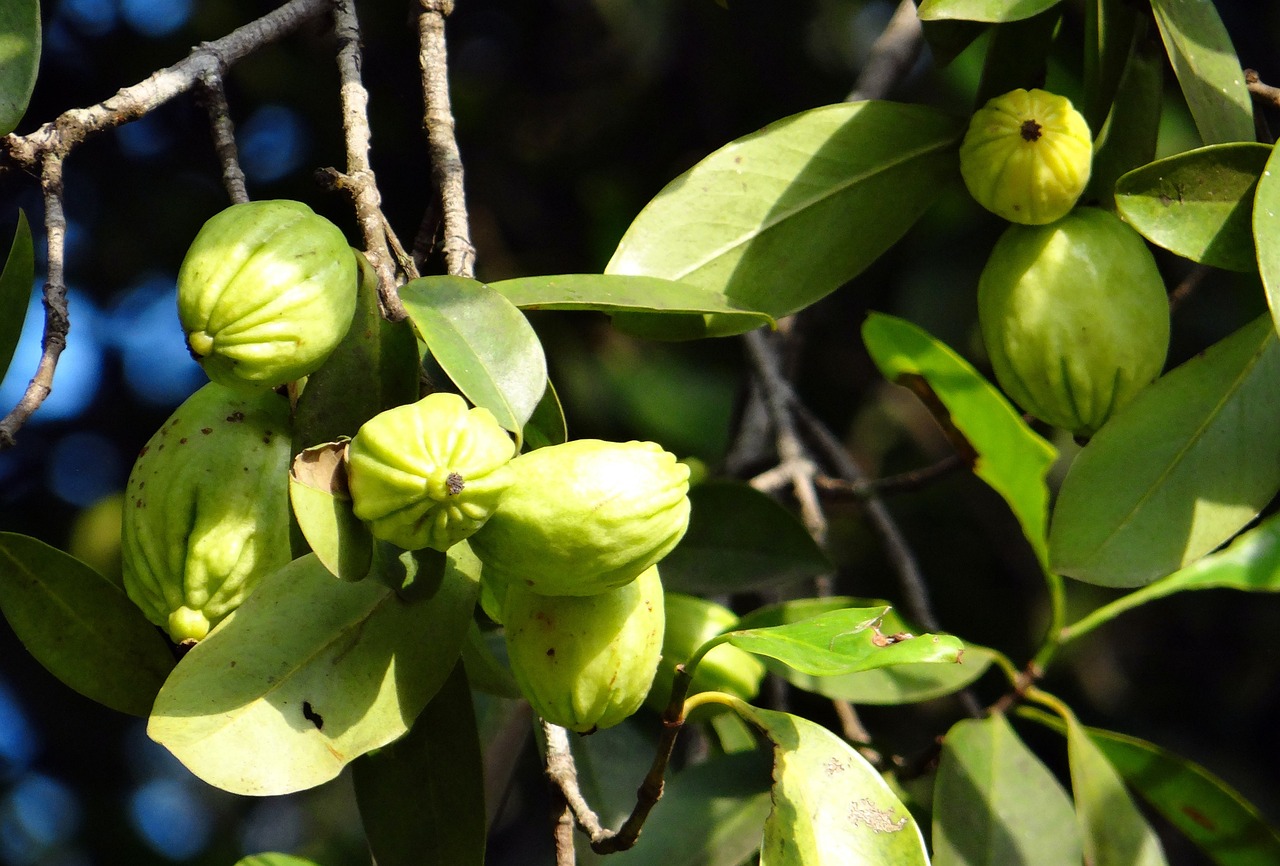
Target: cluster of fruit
{"points": [[569, 535], [1071, 305]]}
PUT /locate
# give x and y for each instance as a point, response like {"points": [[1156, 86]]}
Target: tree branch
{"points": [[1260, 90], [893, 54], [224, 134], [446, 161]]}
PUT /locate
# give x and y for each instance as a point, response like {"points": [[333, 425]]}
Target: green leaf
{"points": [[1129, 136], [995, 803], [1207, 68], [1109, 30], [274, 859], [740, 539], [1266, 232], [709, 312], [312, 672], [900, 684], [1178, 471], [1004, 451], [15, 289], [322, 507], [1017, 54], [830, 807], [843, 642], [483, 342], [992, 11], [546, 426], [19, 59], [778, 219], [421, 798], [81, 626], [374, 368], [1198, 204]]}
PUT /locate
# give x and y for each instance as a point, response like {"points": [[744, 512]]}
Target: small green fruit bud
{"points": [[691, 622], [586, 662], [428, 474], [265, 293], [585, 516], [1027, 156], [1075, 318], [206, 512]]}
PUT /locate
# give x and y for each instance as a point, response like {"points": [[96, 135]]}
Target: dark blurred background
{"points": [[571, 115]]}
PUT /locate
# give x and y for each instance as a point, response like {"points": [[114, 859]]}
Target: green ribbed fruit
{"points": [[206, 513]]}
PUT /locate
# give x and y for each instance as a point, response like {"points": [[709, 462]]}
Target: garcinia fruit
{"points": [[428, 474], [586, 662], [1075, 318], [1027, 156], [265, 293], [691, 622], [585, 516], [206, 511]]}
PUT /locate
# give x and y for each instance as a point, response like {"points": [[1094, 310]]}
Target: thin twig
{"points": [[214, 98], [563, 772], [446, 161], [900, 483], [1261, 91], [893, 55], [1190, 283], [360, 180]]}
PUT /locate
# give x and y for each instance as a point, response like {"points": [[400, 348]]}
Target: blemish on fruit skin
{"points": [[182, 441], [1030, 130], [236, 417], [206, 430]]}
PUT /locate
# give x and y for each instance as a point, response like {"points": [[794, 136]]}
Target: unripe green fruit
{"points": [[691, 622], [585, 516], [586, 662], [1075, 318], [206, 512], [265, 293], [1027, 156], [428, 474]]}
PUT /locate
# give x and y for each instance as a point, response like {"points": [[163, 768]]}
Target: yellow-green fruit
{"points": [[1075, 318], [1027, 156], [691, 622], [428, 474], [585, 516], [586, 662], [265, 293], [206, 513]]}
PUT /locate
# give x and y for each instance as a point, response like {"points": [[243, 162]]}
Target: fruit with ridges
{"points": [[691, 622], [206, 512], [1075, 318], [1027, 156], [265, 293], [585, 516], [430, 473], [586, 662]]}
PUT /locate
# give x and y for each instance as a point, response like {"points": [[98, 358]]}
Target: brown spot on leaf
{"points": [[206, 430], [867, 814], [833, 766], [182, 441], [1199, 817]]}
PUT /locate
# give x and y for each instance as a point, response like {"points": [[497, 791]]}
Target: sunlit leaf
{"points": [[1208, 69], [782, 217], [274, 859], [421, 798], [483, 342], [1198, 204], [1004, 451], [81, 626], [15, 290], [1129, 135], [312, 672], [19, 59], [982, 10], [995, 803], [740, 539], [1266, 232], [1177, 472], [322, 507]]}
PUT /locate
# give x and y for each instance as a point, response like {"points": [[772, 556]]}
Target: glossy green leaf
{"points": [[740, 539], [81, 626], [1108, 36], [1178, 471], [782, 217], [1004, 451], [899, 684], [421, 798], [844, 642], [996, 804], [1198, 204], [830, 807], [322, 507], [374, 368], [547, 425], [483, 342], [312, 672], [1266, 232], [1207, 68], [1130, 133], [275, 859], [1017, 54], [19, 59], [708, 312], [15, 290], [992, 11]]}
